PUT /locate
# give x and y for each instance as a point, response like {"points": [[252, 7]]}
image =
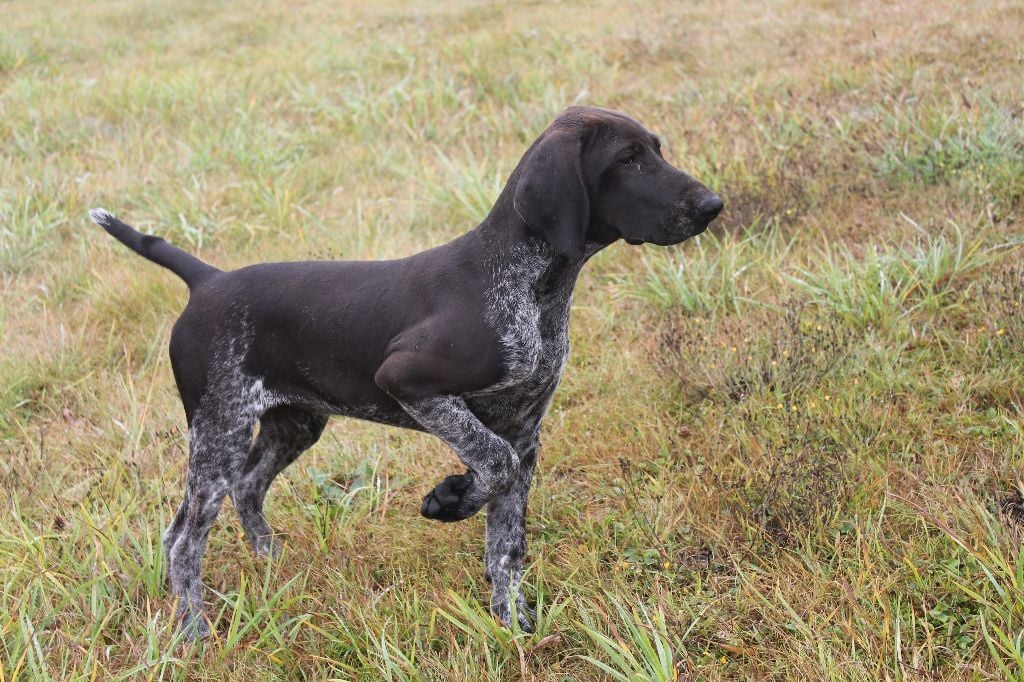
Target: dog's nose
{"points": [[708, 208]]}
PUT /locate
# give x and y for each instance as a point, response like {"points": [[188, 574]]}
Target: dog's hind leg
{"points": [[220, 435], [285, 433]]}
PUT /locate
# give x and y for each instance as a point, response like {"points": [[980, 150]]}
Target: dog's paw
{"points": [[267, 547], [525, 616], [194, 625], [448, 501]]}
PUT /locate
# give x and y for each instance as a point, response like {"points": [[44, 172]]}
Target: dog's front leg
{"points": [[506, 540], [492, 462]]}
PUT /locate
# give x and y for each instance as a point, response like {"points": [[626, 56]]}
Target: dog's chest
{"points": [[531, 320], [536, 351]]}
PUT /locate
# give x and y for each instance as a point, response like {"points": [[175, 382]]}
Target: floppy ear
{"points": [[551, 195]]}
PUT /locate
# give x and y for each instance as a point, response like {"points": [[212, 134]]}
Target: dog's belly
{"points": [[505, 411], [387, 415], [333, 396], [380, 411]]}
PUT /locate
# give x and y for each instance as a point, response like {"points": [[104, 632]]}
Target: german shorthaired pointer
{"points": [[467, 341]]}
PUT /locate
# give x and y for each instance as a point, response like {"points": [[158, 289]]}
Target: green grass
{"points": [[789, 448]]}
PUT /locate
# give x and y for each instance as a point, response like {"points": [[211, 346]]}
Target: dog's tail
{"points": [[184, 265]]}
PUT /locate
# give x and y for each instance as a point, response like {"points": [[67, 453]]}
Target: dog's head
{"points": [[597, 175]]}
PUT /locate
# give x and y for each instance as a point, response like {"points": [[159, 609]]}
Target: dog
{"points": [[466, 341]]}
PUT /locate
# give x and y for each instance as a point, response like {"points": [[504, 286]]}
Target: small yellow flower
{"points": [[724, 660], [666, 565], [812, 404], [792, 408], [778, 405], [827, 397], [1000, 332]]}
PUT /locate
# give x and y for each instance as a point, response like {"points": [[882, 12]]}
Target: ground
{"points": [[788, 448]]}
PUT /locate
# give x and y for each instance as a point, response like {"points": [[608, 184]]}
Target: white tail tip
{"points": [[101, 216]]}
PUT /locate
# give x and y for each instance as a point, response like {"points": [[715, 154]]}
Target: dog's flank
{"points": [[184, 265], [466, 341]]}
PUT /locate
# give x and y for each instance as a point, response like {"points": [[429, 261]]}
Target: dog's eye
{"points": [[632, 156]]}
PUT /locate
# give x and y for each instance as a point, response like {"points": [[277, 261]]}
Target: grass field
{"points": [[788, 449]]}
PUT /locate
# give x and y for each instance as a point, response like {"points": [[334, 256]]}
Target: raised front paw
{"points": [[450, 500]]}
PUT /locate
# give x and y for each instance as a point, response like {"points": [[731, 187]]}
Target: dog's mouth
{"points": [[696, 227], [677, 234], [679, 223], [678, 226], [682, 223]]}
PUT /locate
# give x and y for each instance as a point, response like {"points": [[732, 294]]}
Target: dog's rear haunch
{"points": [[466, 341]]}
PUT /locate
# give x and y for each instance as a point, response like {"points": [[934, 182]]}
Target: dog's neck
{"points": [[508, 239]]}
